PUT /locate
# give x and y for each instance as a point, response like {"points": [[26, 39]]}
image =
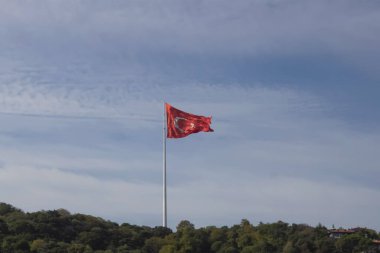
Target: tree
{"points": [[275, 235], [168, 249], [37, 245], [15, 244], [246, 235], [352, 243], [59, 231], [153, 245], [6, 209], [4, 230]]}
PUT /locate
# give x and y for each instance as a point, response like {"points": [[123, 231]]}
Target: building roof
{"points": [[342, 231]]}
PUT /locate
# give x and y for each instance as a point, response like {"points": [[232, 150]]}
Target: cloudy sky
{"points": [[293, 88]]}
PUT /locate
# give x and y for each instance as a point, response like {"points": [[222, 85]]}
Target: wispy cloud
{"points": [[212, 26], [269, 145], [181, 38], [52, 188]]}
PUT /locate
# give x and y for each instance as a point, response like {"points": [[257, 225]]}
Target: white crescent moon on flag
{"points": [[176, 119]]}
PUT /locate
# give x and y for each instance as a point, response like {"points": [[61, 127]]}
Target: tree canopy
{"points": [[58, 231]]}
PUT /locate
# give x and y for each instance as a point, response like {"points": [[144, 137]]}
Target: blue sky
{"points": [[292, 87]]}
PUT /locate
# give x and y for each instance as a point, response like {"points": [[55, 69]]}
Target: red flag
{"points": [[180, 124]]}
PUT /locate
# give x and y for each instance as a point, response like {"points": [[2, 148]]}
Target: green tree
{"points": [[37, 245], [97, 238], [190, 240], [15, 244], [153, 245], [6, 209], [273, 235], [168, 249], [247, 236], [352, 243]]}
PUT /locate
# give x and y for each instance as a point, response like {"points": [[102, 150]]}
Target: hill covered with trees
{"points": [[59, 231]]}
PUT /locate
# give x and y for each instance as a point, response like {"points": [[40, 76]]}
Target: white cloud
{"points": [[34, 189], [123, 29], [270, 199]]}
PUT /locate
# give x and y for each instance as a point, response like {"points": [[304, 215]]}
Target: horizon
{"points": [[199, 227]]}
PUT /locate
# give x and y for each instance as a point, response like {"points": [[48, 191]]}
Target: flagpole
{"points": [[164, 218]]}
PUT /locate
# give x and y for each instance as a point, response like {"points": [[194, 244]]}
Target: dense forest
{"points": [[59, 231]]}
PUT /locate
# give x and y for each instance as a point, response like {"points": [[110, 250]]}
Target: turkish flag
{"points": [[180, 124]]}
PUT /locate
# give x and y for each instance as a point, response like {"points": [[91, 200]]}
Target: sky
{"points": [[292, 87]]}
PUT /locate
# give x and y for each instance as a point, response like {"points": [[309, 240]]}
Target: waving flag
{"points": [[180, 124]]}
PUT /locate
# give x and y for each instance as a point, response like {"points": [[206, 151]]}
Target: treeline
{"points": [[59, 231]]}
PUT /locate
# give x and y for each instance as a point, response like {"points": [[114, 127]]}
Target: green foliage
{"points": [[352, 243], [167, 249], [189, 239], [6, 209], [59, 231], [4, 230], [37, 245]]}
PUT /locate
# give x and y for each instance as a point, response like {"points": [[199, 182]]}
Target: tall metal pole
{"points": [[164, 218]]}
